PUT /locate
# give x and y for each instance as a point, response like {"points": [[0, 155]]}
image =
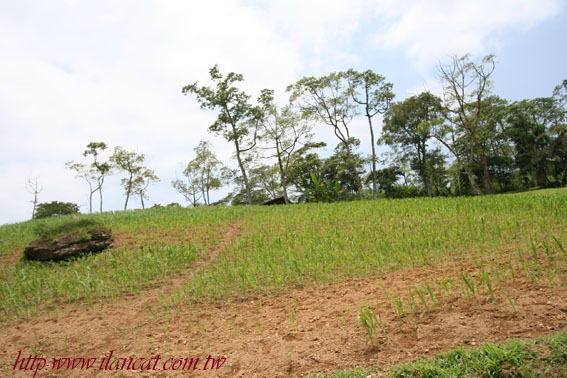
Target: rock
{"points": [[68, 246], [275, 201]]}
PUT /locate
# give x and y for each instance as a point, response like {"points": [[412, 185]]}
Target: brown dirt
{"points": [[296, 333]]}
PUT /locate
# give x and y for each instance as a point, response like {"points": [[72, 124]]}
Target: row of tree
{"points": [[135, 182], [469, 142]]}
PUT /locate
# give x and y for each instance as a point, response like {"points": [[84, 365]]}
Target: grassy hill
{"points": [[478, 250]]}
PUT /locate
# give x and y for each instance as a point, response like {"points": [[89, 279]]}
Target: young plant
{"points": [[368, 319]]}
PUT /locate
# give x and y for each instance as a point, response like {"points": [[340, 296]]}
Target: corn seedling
{"points": [[369, 321]]}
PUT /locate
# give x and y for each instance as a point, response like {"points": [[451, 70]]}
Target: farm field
{"points": [[292, 290]]}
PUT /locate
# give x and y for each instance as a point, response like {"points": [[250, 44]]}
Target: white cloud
{"points": [[432, 30], [73, 72]]}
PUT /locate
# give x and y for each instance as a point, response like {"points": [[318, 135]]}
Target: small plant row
{"points": [[489, 281]]}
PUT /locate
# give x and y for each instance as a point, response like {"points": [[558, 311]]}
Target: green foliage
{"points": [[236, 120], [68, 225], [537, 129], [327, 99], [409, 125], [138, 177], [324, 191], [94, 173], [55, 208], [204, 173]]}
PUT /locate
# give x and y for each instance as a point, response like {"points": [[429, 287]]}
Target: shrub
{"points": [[55, 208]]}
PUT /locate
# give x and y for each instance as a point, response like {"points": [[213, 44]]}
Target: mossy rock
{"points": [[69, 239]]}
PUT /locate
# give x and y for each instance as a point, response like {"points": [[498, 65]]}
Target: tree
{"points": [[387, 179], [236, 119], [94, 173], [339, 167], [86, 173], [138, 177], [32, 187], [208, 168], [374, 94], [98, 169], [284, 131], [537, 128], [55, 208], [264, 184], [466, 85], [327, 99], [191, 189], [304, 162], [141, 184], [408, 125]]}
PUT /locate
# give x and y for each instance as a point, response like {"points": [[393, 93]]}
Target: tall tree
{"points": [[191, 189], [374, 94], [137, 175], [100, 169], [237, 119], [141, 184], [86, 173], [408, 126], [283, 131], [94, 173], [466, 85], [208, 170], [537, 128], [327, 99]]}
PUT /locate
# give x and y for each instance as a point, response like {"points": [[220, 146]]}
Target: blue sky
{"points": [[72, 71]]}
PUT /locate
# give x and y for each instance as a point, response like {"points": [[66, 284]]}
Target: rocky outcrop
{"points": [[68, 246], [275, 201]]}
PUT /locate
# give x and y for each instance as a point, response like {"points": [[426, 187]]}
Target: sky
{"points": [[80, 71]]}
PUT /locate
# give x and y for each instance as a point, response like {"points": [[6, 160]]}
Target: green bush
{"points": [[55, 208]]}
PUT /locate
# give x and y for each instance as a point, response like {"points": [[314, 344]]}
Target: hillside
{"points": [[292, 290]]}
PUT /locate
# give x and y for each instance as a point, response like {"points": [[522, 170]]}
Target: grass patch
{"points": [[80, 225], [294, 246], [543, 357]]}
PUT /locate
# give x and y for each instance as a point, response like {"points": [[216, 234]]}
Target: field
{"points": [[300, 290]]}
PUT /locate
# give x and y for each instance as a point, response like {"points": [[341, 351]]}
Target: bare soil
{"points": [[296, 333]]}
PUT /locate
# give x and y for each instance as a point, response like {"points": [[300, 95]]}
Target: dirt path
{"points": [[296, 333]]}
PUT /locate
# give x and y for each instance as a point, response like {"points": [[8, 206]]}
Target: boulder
{"points": [[275, 201], [67, 246]]}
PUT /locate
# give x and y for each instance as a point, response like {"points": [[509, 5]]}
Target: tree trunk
{"points": [[282, 174], [100, 192], [486, 174], [472, 180], [424, 171], [374, 191], [354, 171]]}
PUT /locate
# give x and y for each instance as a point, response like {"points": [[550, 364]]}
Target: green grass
{"points": [[293, 246], [28, 288], [53, 230], [309, 244], [543, 357]]}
